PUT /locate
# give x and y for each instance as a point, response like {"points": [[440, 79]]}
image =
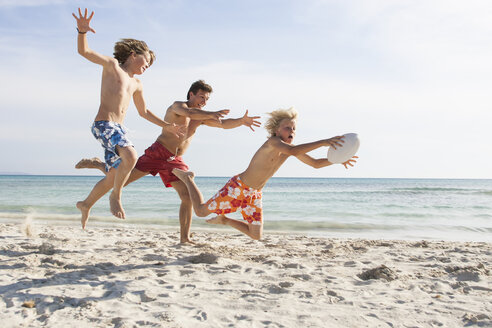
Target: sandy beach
{"points": [[123, 276]]}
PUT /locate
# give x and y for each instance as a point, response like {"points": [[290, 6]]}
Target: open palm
{"points": [[83, 22]]}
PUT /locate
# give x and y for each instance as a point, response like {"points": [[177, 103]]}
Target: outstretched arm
{"points": [[314, 162], [182, 109], [230, 123], [293, 150], [138, 99], [323, 162], [83, 26]]}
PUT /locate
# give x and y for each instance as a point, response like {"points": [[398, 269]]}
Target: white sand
{"points": [[127, 277]]}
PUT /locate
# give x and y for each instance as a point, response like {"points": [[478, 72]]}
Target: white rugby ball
{"points": [[346, 151]]}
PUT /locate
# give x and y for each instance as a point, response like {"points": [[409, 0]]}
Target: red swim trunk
{"points": [[157, 159]]}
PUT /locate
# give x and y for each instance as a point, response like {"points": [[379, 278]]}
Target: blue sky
{"points": [[412, 78]]}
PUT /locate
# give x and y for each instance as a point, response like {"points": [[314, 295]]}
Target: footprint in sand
{"points": [[273, 263], [146, 297], [304, 277], [233, 267], [207, 258], [294, 266], [165, 316], [154, 257], [468, 273], [255, 271], [121, 322], [201, 316], [242, 317], [139, 296], [187, 286], [334, 297], [47, 249], [480, 319], [276, 289], [186, 272], [52, 261], [285, 284]]}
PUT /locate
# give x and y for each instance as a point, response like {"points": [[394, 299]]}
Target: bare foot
{"points": [[115, 206], [85, 213], [219, 219], [183, 174], [91, 163], [187, 241]]}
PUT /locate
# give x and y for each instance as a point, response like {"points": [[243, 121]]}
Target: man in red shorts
{"points": [[165, 154]]}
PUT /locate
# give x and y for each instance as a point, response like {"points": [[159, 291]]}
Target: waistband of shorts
{"points": [[108, 122]]}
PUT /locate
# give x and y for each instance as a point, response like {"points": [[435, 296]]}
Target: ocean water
{"points": [[412, 209]]}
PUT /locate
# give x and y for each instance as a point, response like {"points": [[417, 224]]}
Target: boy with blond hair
{"points": [[118, 86], [243, 191]]}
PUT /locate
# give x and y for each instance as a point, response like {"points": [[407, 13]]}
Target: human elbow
{"points": [[315, 163], [84, 52], [320, 163], [82, 49], [143, 113]]}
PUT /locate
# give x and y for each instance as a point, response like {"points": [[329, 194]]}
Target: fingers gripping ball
{"points": [[343, 153]]}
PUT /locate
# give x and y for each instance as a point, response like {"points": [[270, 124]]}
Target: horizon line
{"points": [[219, 176]]}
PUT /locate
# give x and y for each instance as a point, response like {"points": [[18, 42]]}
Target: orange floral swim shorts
{"points": [[234, 196]]}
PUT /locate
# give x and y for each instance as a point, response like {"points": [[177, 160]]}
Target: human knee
{"points": [[186, 201], [128, 154], [182, 191], [184, 195]]}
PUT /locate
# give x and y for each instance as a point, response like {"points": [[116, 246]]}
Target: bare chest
{"points": [[118, 83]]}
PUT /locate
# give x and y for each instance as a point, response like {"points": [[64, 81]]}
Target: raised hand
{"points": [[350, 162], [83, 22], [250, 121]]}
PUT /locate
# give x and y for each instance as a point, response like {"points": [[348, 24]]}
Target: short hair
{"points": [[124, 48], [199, 85], [277, 116]]}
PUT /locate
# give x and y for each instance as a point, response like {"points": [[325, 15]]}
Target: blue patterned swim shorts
{"points": [[110, 135]]}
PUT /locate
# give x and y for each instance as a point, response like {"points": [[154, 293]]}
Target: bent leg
{"points": [[185, 211], [128, 157], [100, 189], [91, 163], [255, 231], [196, 196], [135, 174]]}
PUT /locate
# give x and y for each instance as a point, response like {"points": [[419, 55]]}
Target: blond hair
{"points": [[124, 48], [276, 117]]}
